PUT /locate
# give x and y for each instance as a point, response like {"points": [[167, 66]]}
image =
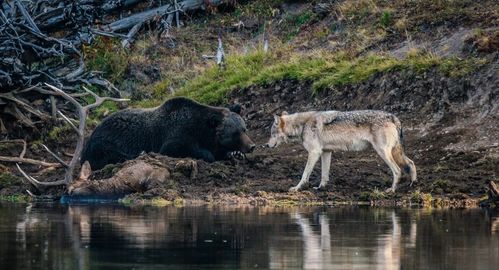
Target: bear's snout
{"points": [[247, 144]]}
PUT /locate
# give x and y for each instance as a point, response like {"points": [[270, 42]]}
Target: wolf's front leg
{"points": [[326, 165], [313, 157]]}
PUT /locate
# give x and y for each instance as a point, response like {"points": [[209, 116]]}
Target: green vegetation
{"points": [[8, 180], [155, 201], [18, 198], [418, 197], [36, 145], [58, 133], [324, 70], [386, 19], [456, 67], [377, 194], [258, 9], [105, 109], [374, 195], [106, 55], [292, 24]]}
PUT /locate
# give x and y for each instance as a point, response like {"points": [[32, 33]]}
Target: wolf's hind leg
{"points": [[313, 157], [404, 163], [412, 169], [386, 155], [326, 165]]}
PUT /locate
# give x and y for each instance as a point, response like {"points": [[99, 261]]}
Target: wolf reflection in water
{"points": [[84, 237], [318, 253]]}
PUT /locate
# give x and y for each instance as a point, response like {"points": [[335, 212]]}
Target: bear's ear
{"points": [[236, 108]]}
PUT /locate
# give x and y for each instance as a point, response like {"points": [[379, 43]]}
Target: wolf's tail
{"points": [[405, 163]]}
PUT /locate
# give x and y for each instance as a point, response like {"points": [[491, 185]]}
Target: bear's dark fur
{"points": [[179, 128]]}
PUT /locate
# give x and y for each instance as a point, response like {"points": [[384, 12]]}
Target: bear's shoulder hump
{"points": [[182, 103]]}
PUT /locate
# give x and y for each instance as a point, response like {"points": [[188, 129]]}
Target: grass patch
{"points": [[215, 83], [377, 194], [292, 24], [324, 69], [8, 180], [58, 133], [418, 197], [456, 67], [105, 109], [258, 9], [357, 10], [17, 198], [374, 195], [386, 19], [107, 55], [156, 201]]}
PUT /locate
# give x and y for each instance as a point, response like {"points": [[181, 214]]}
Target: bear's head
{"points": [[232, 134]]}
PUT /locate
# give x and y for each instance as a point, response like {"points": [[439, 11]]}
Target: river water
{"points": [[55, 236]]}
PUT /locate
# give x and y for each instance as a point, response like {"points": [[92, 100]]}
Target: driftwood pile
{"points": [[41, 41], [42, 69]]}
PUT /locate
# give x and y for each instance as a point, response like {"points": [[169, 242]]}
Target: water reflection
{"points": [[89, 237]]}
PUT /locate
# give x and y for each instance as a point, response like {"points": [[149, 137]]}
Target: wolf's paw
{"points": [[390, 190], [294, 189], [413, 182], [320, 188]]}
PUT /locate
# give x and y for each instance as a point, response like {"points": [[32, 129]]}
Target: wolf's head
{"points": [[277, 131]]}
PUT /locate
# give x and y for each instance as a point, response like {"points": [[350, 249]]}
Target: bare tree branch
{"points": [[29, 161], [36, 182], [55, 156]]}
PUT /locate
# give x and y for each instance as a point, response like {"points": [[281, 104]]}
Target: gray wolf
{"points": [[179, 128], [327, 131]]}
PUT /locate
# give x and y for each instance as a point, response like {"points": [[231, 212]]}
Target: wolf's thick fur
{"points": [[324, 132]]}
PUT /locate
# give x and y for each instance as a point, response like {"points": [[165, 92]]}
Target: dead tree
{"points": [[82, 114]]}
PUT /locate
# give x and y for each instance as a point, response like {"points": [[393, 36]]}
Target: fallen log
{"points": [[145, 16]]}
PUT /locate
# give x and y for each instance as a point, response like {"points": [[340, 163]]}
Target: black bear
{"points": [[179, 128]]}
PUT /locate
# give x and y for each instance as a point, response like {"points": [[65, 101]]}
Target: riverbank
{"points": [[434, 67]]}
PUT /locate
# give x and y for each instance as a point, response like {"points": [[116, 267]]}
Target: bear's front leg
{"points": [[182, 149], [203, 154]]}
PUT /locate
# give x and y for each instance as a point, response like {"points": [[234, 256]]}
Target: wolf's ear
{"points": [[85, 171], [236, 108], [277, 118], [284, 113]]}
